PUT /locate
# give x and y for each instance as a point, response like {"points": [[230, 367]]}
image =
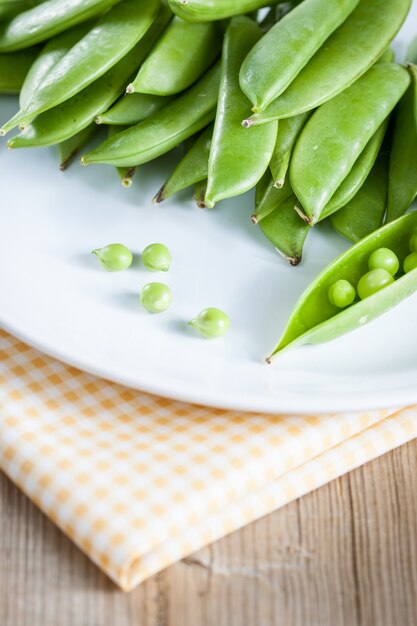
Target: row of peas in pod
{"points": [[301, 100]]}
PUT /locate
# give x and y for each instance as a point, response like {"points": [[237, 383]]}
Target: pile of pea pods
{"points": [[301, 100]]}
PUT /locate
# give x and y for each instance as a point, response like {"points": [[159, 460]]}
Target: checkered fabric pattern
{"points": [[138, 481]]}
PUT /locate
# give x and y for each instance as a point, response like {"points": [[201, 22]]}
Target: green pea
{"points": [[156, 297], [410, 262], [114, 257], [373, 281], [385, 259], [342, 293], [211, 323], [413, 242], [156, 257]]}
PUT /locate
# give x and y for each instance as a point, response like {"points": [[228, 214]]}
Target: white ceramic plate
{"points": [[54, 295]]}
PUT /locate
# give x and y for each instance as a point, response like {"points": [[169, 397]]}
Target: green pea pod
{"points": [[212, 10], [364, 213], [285, 230], [337, 133], [358, 174], [132, 109], [73, 115], [46, 20], [165, 130], [11, 8], [182, 54], [288, 132], [261, 188], [114, 35], [200, 193], [411, 55], [49, 56], [69, 148], [280, 55], [192, 169], [364, 35], [125, 174], [238, 158], [316, 320], [388, 56], [402, 186], [271, 199], [14, 68]]}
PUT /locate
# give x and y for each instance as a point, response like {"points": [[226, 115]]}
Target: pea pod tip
{"points": [[130, 88], [278, 184], [247, 123], [160, 196], [254, 219]]}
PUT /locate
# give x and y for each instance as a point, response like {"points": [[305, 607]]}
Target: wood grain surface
{"points": [[344, 555]]}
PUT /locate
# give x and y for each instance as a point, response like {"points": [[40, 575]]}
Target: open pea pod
{"points": [[192, 169], [166, 129], [238, 157], [402, 185], [349, 52], [41, 22], [337, 133], [364, 213], [14, 68], [212, 10], [316, 320]]}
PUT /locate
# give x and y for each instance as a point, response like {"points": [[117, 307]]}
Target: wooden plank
{"points": [[343, 555]]}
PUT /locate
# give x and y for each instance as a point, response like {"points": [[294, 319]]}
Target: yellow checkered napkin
{"points": [[139, 482]]}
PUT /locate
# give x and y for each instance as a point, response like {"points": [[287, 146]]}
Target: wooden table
{"points": [[344, 555]]}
